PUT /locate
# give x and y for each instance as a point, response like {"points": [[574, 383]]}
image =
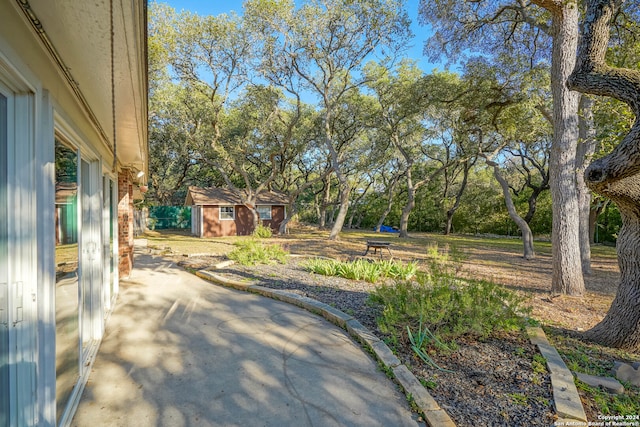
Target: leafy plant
{"points": [[518, 398], [362, 269], [448, 306], [252, 252], [538, 364], [262, 232], [419, 343], [430, 384], [446, 260]]}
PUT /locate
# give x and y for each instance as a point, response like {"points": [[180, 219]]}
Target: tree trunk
{"points": [[527, 236], [449, 225], [408, 207], [567, 268], [454, 208], [293, 211], [621, 326], [594, 213], [392, 188], [342, 212], [326, 197], [255, 216], [383, 216], [617, 175], [359, 222], [586, 148], [533, 198]]}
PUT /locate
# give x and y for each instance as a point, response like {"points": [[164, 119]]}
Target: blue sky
{"points": [[216, 7]]}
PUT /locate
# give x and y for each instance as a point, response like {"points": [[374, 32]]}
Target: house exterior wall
{"points": [[277, 216], [244, 221], [242, 225], [39, 105], [125, 223], [212, 226]]}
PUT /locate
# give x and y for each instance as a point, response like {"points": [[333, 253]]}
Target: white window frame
{"points": [[269, 207], [225, 218], [23, 159]]}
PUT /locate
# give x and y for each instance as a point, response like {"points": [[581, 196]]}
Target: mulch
{"points": [[491, 382]]}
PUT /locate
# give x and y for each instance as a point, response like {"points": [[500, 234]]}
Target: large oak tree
{"points": [[325, 43], [616, 175], [523, 30]]}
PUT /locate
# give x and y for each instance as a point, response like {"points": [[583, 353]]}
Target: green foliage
{"points": [[262, 232], [362, 269], [593, 359], [446, 260], [448, 306], [613, 404], [252, 252], [518, 398], [608, 225], [421, 340]]}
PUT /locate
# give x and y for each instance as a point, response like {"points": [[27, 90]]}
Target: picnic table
{"points": [[378, 246]]}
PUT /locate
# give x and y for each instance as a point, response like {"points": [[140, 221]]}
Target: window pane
{"points": [[264, 212], [226, 212], [66, 229]]}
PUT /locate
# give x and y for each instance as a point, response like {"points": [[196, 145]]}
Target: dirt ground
{"points": [[495, 259], [489, 382], [497, 263]]}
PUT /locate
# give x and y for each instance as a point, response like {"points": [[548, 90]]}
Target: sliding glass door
{"points": [[18, 281], [67, 274]]}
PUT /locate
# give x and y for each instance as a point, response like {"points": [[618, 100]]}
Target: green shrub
{"points": [[362, 269], [447, 306], [262, 232], [446, 260], [252, 252]]}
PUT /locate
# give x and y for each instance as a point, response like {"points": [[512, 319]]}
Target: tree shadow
{"points": [[179, 351]]}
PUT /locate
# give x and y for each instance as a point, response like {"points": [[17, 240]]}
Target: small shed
{"points": [[217, 212]]}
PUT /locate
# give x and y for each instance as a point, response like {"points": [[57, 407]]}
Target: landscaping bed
{"points": [[492, 381], [495, 380]]}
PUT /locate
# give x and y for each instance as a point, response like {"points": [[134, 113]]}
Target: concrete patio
{"points": [[179, 351]]}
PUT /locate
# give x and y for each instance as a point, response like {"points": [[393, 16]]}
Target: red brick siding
{"points": [[277, 216], [125, 223], [241, 226]]}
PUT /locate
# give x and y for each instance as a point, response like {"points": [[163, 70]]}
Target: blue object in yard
{"points": [[387, 229]]}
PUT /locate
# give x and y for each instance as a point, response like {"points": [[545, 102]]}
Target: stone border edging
{"points": [[414, 390], [565, 394], [566, 399]]}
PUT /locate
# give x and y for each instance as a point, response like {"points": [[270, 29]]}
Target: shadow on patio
{"points": [[179, 351]]}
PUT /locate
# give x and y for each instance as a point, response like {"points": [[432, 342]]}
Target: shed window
{"points": [[264, 212], [227, 212]]}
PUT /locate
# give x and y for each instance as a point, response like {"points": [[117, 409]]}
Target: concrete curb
{"points": [[565, 394], [415, 392]]}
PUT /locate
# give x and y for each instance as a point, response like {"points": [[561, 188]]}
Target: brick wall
{"points": [[125, 223]]}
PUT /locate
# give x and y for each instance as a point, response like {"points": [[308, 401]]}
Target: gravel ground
{"points": [[492, 382]]}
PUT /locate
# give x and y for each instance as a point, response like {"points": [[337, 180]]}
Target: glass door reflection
{"points": [[67, 259]]}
